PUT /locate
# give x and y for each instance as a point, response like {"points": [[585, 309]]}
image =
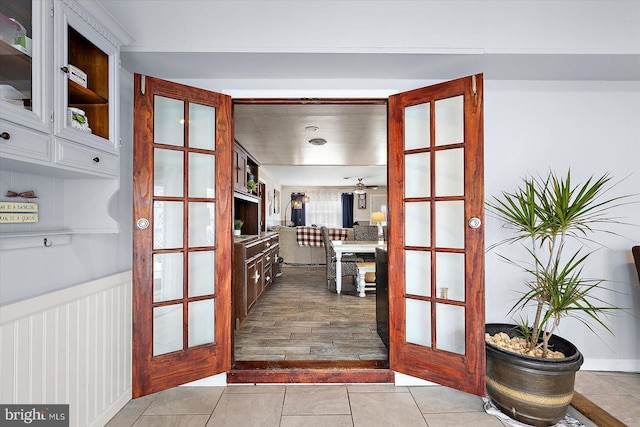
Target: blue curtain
{"points": [[347, 210], [298, 215]]}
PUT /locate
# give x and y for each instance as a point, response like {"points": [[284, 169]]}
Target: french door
{"points": [[183, 242], [183, 145], [436, 239]]}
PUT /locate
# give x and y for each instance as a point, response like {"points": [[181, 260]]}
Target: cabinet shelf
{"points": [[16, 67], [34, 239], [79, 95]]}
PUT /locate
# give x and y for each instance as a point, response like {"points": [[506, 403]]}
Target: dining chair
{"points": [[366, 233], [348, 262]]}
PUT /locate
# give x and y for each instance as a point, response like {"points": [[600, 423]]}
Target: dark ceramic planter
{"points": [[531, 390]]}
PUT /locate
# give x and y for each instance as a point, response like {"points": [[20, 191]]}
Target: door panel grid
{"points": [[183, 146], [436, 280]]}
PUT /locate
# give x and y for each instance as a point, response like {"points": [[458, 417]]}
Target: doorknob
{"points": [[475, 222]]}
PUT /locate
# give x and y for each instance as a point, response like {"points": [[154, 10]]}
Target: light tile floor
{"points": [[342, 405], [616, 392], [303, 405], [309, 406]]}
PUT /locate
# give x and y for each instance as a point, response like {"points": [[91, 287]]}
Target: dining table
{"points": [[352, 246]]}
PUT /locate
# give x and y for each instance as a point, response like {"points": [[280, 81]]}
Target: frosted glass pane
{"points": [[450, 172], [450, 275], [202, 125], [201, 273], [168, 167], [201, 322], [450, 328], [450, 120], [167, 276], [168, 220], [417, 125], [201, 224], [168, 121], [417, 175], [417, 224], [418, 322], [450, 224], [167, 329], [418, 273], [202, 175]]}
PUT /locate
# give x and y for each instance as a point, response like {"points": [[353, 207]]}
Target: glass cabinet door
{"points": [[85, 73], [23, 63]]}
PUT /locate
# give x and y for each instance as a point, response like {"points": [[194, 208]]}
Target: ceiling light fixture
{"points": [[311, 128], [317, 141]]}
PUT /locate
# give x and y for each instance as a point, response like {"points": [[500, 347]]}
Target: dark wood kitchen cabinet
{"points": [[255, 265]]}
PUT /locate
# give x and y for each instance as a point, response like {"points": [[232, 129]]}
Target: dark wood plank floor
{"points": [[298, 318]]}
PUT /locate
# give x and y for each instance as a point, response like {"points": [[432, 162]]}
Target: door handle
{"points": [[475, 222]]}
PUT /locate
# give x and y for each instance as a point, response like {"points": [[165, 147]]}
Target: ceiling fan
{"points": [[360, 188]]}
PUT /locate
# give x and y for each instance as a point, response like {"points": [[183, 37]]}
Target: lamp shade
{"points": [[378, 217]]}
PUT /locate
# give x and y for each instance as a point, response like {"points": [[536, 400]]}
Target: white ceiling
{"points": [[278, 137], [255, 44]]}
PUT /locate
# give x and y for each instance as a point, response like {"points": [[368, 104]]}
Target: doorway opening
{"points": [[300, 324]]}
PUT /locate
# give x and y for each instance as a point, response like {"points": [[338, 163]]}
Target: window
{"points": [[324, 208]]}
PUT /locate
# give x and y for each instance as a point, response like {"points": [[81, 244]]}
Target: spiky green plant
{"points": [[545, 212]]}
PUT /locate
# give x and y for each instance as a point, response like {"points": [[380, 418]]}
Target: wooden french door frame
{"points": [[339, 371], [456, 357], [190, 357]]}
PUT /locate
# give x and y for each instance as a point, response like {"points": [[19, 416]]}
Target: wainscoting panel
{"points": [[71, 346]]}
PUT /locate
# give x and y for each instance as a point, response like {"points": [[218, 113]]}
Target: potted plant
{"points": [[553, 219], [251, 186], [237, 227]]}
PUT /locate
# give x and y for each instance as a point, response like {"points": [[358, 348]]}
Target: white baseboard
{"points": [[113, 409], [611, 365], [212, 381], [408, 380]]}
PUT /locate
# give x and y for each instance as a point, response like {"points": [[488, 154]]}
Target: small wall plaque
{"points": [[18, 207], [18, 212], [12, 218]]}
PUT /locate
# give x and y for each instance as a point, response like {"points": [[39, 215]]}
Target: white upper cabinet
{"points": [[58, 57], [25, 53], [59, 77]]}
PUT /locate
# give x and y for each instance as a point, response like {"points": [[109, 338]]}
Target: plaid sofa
{"points": [[295, 254]]}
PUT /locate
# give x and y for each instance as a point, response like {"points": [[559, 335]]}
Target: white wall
{"points": [[271, 184], [71, 346], [592, 128], [25, 273]]}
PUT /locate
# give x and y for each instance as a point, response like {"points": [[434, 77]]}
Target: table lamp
{"points": [[379, 217]]}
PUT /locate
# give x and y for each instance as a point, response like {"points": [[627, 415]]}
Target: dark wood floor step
{"points": [[307, 372]]}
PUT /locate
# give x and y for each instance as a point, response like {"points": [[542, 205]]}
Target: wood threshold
{"points": [[310, 372], [595, 413]]}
